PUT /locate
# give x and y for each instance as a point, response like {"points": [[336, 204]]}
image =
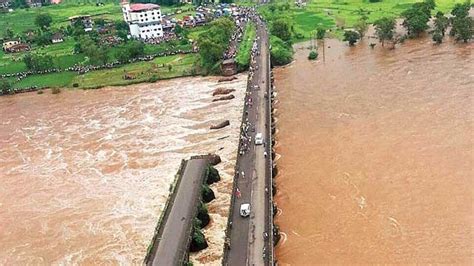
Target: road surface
{"points": [[247, 233], [177, 228]]}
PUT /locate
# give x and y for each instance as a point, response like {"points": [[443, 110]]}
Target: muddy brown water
{"points": [[376, 155], [84, 175]]}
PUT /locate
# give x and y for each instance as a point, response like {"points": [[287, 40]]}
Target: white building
{"points": [[144, 20]]}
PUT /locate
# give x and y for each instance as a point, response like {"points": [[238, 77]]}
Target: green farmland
{"points": [[342, 13]]}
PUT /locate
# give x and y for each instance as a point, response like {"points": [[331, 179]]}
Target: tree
{"points": [[136, 49], [351, 36], [97, 55], [320, 33], [38, 62], [44, 38], [441, 23], [213, 44], [5, 86], [281, 29], [385, 29], [100, 22], [416, 17], [437, 37], [43, 20], [462, 24], [19, 4], [8, 34], [281, 53], [361, 27]]}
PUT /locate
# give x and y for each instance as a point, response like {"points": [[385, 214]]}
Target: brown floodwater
{"points": [[376, 153], [84, 175]]}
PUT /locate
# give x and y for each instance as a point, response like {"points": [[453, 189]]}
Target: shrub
{"points": [[153, 79], [313, 55], [351, 36], [75, 85], [5, 86], [281, 53], [212, 176]]}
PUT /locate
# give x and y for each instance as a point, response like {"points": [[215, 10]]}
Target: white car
{"points": [[258, 139], [244, 209]]}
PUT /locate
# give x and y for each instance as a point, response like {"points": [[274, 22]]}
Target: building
{"points": [[86, 21], [7, 44], [144, 20], [57, 38], [5, 4], [19, 47]]}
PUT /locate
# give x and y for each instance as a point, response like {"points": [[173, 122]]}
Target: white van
{"points": [[259, 139], [244, 209]]}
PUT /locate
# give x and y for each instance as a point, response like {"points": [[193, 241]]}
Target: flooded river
{"points": [[376, 155], [84, 174]]}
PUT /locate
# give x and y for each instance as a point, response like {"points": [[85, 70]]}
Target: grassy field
{"points": [[181, 65], [63, 56], [343, 13], [243, 54]]}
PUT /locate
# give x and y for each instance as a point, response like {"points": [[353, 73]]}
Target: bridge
{"points": [[249, 240], [170, 245]]}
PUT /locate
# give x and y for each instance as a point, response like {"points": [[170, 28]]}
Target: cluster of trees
{"points": [[415, 21], [38, 62], [213, 43], [280, 40], [462, 25]]}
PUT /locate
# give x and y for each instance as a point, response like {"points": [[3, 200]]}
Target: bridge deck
{"points": [[173, 243]]}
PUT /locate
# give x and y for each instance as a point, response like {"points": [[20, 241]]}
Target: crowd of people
{"points": [[244, 16], [167, 36]]}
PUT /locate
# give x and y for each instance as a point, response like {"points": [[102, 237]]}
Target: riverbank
{"points": [[385, 149], [160, 68]]}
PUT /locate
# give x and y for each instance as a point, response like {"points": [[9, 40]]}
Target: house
{"points": [[7, 44], [20, 47], [85, 20], [57, 38], [5, 4], [37, 3], [144, 20]]}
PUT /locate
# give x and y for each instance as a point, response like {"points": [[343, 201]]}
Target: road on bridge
{"points": [[247, 239]]}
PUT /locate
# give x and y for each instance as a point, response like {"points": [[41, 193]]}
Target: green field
{"points": [[342, 13], [181, 65]]}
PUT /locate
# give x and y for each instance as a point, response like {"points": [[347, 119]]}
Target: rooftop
{"points": [[142, 7]]}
